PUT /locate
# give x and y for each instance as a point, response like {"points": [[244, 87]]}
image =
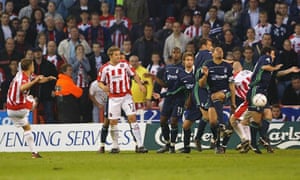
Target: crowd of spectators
{"points": [[79, 32]]}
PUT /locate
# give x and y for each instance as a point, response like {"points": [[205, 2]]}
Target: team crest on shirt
{"points": [[121, 65], [268, 59], [225, 70]]}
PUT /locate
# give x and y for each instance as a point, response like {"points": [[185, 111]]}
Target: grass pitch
{"points": [[283, 164]]}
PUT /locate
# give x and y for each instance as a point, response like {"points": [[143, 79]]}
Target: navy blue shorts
{"points": [[201, 97], [173, 107]]}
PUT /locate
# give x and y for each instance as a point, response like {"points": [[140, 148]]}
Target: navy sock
{"points": [[214, 131], [104, 132], [225, 140], [174, 132], [187, 137], [253, 130], [201, 128], [219, 109], [264, 129], [165, 130]]}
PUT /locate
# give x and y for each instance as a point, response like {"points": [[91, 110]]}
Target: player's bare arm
{"points": [[46, 79], [28, 85], [232, 92], [157, 80], [202, 81], [271, 68], [293, 69]]}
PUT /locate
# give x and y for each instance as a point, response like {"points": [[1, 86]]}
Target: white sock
{"points": [[28, 136], [114, 133], [242, 131], [247, 132], [237, 129], [137, 133]]}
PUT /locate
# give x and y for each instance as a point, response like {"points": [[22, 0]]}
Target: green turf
{"points": [[283, 164]]}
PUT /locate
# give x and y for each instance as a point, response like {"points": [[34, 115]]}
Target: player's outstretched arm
{"points": [[28, 85]]}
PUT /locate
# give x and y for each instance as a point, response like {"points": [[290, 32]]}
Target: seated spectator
{"points": [[234, 14], [119, 27], [42, 42], [263, 26], [250, 38], [162, 34], [84, 21], [277, 115], [105, 15], [186, 20], [295, 39], [66, 48], [52, 10], [60, 24], [288, 59], [146, 45], [98, 34], [52, 55], [13, 69], [96, 60], [194, 30], [278, 32], [220, 13], [176, 39], [37, 23], [229, 42], [155, 64], [291, 95], [9, 9], [27, 10], [30, 35], [21, 45], [6, 30], [248, 62], [81, 67], [8, 54], [67, 96], [215, 23], [70, 23], [127, 48], [52, 34]]}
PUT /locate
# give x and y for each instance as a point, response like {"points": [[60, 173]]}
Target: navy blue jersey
{"points": [[219, 76], [201, 57], [260, 77], [177, 79]]}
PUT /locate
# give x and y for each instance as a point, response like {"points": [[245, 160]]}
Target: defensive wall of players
{"points": [[86, 137]]}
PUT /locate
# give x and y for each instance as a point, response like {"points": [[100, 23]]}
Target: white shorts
{"points": [[19, 117], [115, 104]]}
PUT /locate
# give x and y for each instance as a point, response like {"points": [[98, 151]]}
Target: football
{"points": [[259, 100]]}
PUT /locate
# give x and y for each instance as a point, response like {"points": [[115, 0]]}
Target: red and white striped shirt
{"points": [[295, 40], [242, 80], [192, 31], [118, 37], [117, 78], [16, 99]]}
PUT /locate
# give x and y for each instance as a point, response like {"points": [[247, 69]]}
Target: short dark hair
{"points": [[63, 68]]}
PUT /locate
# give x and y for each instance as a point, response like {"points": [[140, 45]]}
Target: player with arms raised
{"points": [[19, 102], [260, 81]]}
